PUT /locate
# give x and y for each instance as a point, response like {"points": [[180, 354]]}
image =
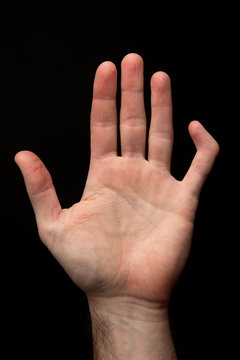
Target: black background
{"points": [[49, 53]]}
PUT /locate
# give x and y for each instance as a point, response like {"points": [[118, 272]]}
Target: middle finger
{"points": [[132, 112]]}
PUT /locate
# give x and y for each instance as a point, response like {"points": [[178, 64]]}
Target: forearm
{"points": [[124, 329]]}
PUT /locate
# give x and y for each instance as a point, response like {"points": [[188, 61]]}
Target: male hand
{"points": [[130, 234]]}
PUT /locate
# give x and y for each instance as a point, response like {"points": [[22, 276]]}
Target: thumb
{"points": [[39, 187]]}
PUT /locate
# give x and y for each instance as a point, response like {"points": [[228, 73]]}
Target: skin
{"points": [[130, 235]]}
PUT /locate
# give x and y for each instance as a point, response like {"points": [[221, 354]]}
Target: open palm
{"points": [[131, 232]]}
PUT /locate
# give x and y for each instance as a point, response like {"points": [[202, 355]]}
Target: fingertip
{"points": [[195, 127], [160, 79], [105, 82], [19, 156], [24, 156], [160, 89], [202, 138], [107, 67], [16, 156], [132, 59]]}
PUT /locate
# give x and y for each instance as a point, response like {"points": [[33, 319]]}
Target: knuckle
{"points": [[214, 147], [217, 147]]}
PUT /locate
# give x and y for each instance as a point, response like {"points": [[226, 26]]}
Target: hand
{"points": [[130, 234]]}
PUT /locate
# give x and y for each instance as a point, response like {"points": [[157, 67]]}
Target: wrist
{"points": [[127, 328], [129, 307]]}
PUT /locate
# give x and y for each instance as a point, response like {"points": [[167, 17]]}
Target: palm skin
{"points": [[130, 234]]}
